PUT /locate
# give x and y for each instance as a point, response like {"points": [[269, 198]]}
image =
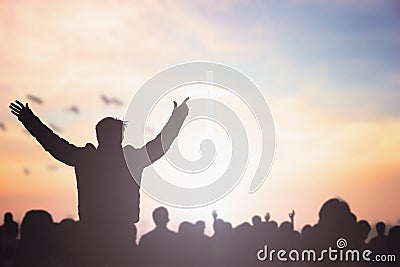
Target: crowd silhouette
{"points": [[41, 242]]}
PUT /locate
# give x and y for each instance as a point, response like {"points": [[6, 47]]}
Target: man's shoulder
{"points": [[144, 238], [85, 153], [89, 147]]}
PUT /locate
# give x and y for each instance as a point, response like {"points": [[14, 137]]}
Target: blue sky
{"points": [[352, 45]]}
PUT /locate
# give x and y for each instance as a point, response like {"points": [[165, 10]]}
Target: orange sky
{"points": [[330, 143]]}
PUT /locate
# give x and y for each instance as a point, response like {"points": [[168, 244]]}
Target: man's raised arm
{"points": [[55, 145], [157, 147]]}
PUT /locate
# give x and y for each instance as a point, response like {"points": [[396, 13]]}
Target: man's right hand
{"points": [[18, 109]]}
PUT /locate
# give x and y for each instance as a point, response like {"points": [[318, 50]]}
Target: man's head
{"points": [[160, 217], [8, 217], [256, 220], [110, 131], [380, 228]]}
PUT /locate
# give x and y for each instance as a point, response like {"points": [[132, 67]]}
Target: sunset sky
{"points": [[330, 71]]}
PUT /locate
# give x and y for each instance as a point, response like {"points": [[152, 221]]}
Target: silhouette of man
{"points": [[35, 248], [8, 239], [108, 195], [157, 247], [10, 227], [379, 242]]}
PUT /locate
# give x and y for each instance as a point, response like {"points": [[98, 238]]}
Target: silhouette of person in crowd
{"points": [[8, 239], [35, 248], [379, 243], [157, 246], [10, 228], [256, 220], [393, 242], [361, 234], [221, 239], [108, 195]]}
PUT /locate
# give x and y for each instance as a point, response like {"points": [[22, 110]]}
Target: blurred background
{"points": [[329, 70]]}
